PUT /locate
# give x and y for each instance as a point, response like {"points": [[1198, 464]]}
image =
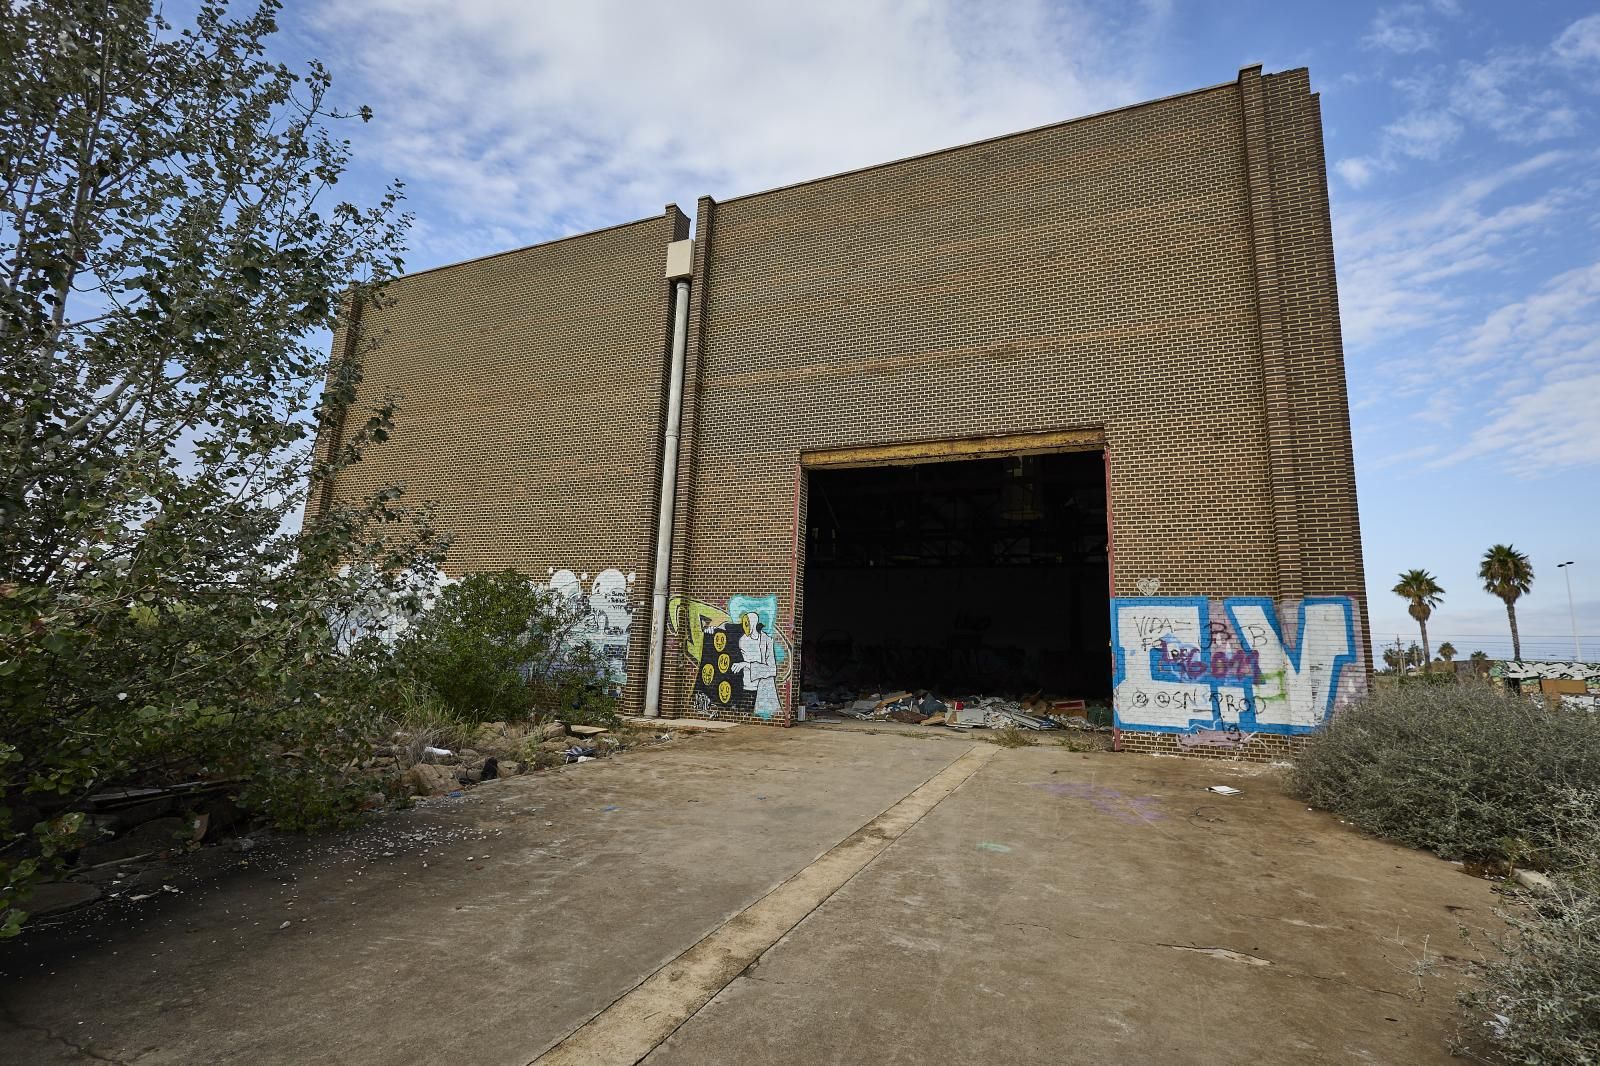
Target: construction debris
{"points": [[1035, 712]]}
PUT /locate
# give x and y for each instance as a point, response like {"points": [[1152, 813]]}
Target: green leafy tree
{"points": [[1507, 573], [1447, 651], [1394, 659], [1414, 654], [500, 647], [1479, 656], [1422, 594], [170, 251]]}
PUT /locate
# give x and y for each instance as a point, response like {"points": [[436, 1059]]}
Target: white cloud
{"points": [[585, 114], [1519, 95], [1404, 457], [1423, 135], [1400, 30], [1546, 431], [1503, 94], [1396, 258], [1356, 171], [1579, 42], [1557, 325]]}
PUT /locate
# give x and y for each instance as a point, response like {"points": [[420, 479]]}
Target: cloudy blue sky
{"points": [[1463, 145]]}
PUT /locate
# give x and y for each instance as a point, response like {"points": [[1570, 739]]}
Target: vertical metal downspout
{"points": [[669, 494]]}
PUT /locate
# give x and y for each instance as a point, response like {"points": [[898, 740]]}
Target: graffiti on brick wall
{"points": [[740, 655], [1221, 670], [605, 610], [1230, 739]]}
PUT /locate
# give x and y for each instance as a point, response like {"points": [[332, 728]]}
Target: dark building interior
{"points": [[977, 576]]}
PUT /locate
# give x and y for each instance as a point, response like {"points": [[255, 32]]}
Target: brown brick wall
{"points": [[530, 389], [1259, 747], [1160, 274], [1158, 279]]}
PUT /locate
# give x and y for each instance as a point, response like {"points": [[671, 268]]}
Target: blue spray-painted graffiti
{"points": [[1180, 670]]}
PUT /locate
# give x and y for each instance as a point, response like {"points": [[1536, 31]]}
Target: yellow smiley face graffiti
{"points": [[723, 662], [720, 641], [725, 692], [707, 674]]}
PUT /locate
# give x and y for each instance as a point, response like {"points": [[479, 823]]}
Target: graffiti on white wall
{"points": [[1530, 671], [739, 654], [1557, 680], [1224, 668], [607, 612]]}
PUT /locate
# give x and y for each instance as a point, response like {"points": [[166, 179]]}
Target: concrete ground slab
{"points": [[490, 959], [1106, 908], [1050, 907]]}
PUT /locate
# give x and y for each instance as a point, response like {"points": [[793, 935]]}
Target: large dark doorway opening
{"points": [[978, 576]]}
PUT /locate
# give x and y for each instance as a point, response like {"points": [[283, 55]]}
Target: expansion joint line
{"points": [[640, 1020]]}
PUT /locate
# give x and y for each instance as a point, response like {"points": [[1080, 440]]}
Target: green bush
{"points": [[499, 647], [174, 256], [1538, 1000], [1462, 770], [1432, 678]]}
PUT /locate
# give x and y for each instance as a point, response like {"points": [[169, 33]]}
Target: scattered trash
{"points": [[580, 753], [1001, 717], [285, 925], [1036, 712], [1224, 790], [612, 807], [999, 849], [438, 752]]}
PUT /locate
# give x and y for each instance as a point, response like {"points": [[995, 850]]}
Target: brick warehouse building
{"points": [[1059, 410]]}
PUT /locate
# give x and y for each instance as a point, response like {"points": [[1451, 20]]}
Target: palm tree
{"points": [[1507, 573], [1394, 659], [1421, 590], [1479, 656], [1447, 651]]}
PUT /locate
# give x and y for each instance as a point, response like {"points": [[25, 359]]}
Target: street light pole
{"points": [[1577, 648]]}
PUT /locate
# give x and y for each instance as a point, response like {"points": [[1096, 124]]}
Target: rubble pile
{"points": [[1036, 711], [499, 750]]}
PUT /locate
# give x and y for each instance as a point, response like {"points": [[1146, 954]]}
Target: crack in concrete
{"points": [[1220, 953], [50, 1034]]}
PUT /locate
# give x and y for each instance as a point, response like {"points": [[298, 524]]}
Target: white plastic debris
{"points": [[438, 752], [1224, 790]]}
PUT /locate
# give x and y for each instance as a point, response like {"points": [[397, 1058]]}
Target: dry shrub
{"points": [[1462, 770], [1538, 1000]]}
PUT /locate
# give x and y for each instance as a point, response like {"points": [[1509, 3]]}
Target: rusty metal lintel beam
{"points": [[1073, 440]]}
